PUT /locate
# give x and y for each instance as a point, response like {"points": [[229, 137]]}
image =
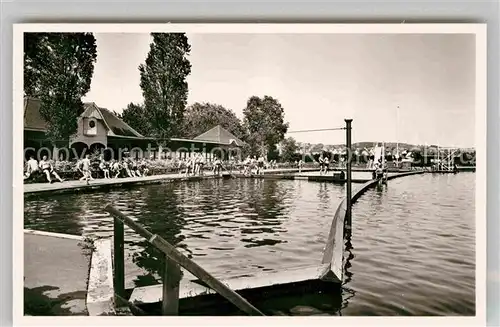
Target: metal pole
{"points": [[348, 173]]}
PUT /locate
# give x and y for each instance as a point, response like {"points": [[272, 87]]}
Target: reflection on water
{"points": [[230, 227], [413, 248], [411, 251]]}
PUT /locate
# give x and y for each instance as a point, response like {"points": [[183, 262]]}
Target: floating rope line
{"points": [[317, 130]]}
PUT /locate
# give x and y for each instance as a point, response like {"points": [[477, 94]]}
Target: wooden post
{"points": [[171, 280], [186, 263], [348, 173], [119, 259]]}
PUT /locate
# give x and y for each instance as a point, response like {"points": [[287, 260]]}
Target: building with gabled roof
{"points": [[221, 136], [99, 128]]}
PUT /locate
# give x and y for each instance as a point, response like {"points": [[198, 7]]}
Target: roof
{"points": [[220, 135], [116, 126], [32, 119]]}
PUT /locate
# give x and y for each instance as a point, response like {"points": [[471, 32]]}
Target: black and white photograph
{"points": [[250, 170]]}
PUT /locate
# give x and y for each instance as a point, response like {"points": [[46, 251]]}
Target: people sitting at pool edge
{"points": [[48, 169], [89, 169], [32, 168], [45, 167]]}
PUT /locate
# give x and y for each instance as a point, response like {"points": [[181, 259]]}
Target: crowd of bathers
{"points": [[87, 169]]}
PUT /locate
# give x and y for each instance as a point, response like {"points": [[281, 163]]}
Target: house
{"points": [[100, 129]]}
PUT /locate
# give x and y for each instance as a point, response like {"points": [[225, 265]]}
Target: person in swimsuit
{"points": [[260, 166], [233, 162], [84, 168], [201, 163], [188, 165], [48, 169], [194, 164], [379, 170], [181, 165], [116, 168], [217, 166], [326, 164], [104, 167], [127, 165], [32, 168], [253, 165], [244, 164], [300, 164], [321, 161], [143, 167], [135, 168]]}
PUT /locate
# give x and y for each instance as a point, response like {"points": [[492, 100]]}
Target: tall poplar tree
{"points": [[164, 85]]}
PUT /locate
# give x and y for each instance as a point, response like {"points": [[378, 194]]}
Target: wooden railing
{"points": [[173, 260]]}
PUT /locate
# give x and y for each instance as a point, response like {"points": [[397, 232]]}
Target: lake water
{"points": [[411, 251]]}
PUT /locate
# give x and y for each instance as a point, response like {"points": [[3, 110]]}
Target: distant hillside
{"points": [[388, 145]]}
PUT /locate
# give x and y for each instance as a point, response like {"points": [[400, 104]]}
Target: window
{"points": [[92, 124]]}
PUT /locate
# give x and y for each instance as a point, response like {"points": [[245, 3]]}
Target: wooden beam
{"points": [[192, 288], [171, 280], [186, 263]]}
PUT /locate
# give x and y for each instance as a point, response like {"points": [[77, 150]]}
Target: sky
{"points": [[319, 79]]}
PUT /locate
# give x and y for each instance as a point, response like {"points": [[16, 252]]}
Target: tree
{"points": [[289, 149], [58, 69], [264, 121], [164, 86], [200, 117], [135, 116], [317, 148]]}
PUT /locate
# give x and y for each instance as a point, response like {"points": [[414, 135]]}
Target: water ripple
{"points": [[411, 252]]}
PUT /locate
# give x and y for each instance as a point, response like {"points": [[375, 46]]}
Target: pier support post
{"points": [[119, 260], [171, 280], [348, 175]]}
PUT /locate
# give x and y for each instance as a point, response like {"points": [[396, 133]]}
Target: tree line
{"points": [[58, 69]]}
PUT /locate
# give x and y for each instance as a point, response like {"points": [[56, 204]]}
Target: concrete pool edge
{"points": [[51, 234], [56, 271], [100, 290]]}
